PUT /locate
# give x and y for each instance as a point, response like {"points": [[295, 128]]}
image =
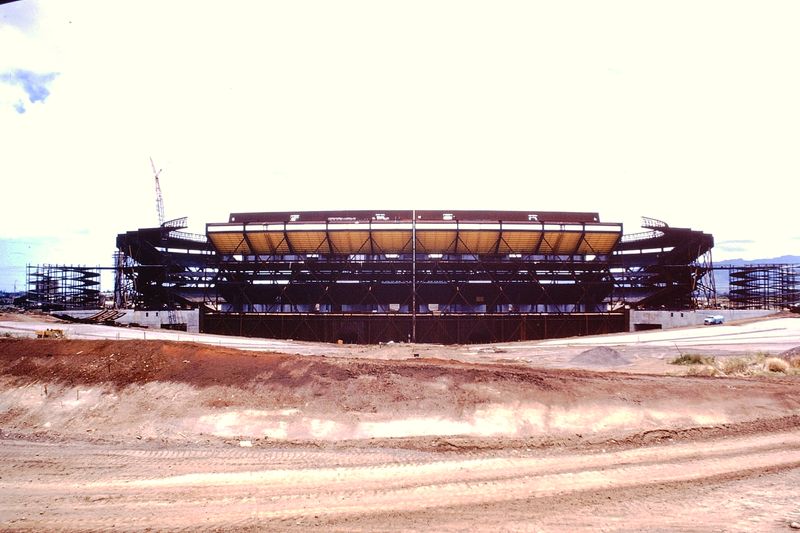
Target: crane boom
{"points": [[159, 198]]}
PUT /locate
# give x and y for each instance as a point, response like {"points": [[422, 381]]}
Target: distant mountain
{"points": [[721, 276], [784, 259]]}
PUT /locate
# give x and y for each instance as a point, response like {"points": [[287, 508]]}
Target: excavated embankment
{"points": [[169, 390]]}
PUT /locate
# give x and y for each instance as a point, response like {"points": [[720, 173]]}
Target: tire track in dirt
{"points": [[311, 485]]}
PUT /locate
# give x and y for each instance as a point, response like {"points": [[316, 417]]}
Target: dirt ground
{"points": [[160, 435]]}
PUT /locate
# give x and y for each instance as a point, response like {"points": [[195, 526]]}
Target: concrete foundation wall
{"points": [[642, 320], [148, 319]]}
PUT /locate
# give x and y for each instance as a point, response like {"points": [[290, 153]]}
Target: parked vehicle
{"points": [[50, 334]]}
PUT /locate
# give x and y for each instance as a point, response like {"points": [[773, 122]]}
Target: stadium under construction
{"points": [[423, 276]]}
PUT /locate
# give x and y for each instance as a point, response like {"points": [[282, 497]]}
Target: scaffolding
{"points": [[124, 289], [705, 294], [773, 286], [63, 287]]}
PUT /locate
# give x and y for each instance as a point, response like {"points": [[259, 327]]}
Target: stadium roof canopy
{"points": [[391, 232]]}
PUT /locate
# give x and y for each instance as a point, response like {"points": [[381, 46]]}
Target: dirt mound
{"points": [[124, 362], [792, 356], [600, 356], [794, 352], [160, 389]]}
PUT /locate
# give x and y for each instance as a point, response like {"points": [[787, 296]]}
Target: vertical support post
{"points": [[413, 275], [118, 304]]}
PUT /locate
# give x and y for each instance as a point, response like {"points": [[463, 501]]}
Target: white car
{"points": [[713, 319]]}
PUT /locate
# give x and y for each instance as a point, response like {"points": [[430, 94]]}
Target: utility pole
{"points": [[413, 275]]}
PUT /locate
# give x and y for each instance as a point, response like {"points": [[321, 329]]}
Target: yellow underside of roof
{"points": [[479, 242]]}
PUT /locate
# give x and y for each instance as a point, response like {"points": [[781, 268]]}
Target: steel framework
{"points": [[434, 276], [773, 286], [163, 268], [62, 287], [663, 268], [411, 275]]}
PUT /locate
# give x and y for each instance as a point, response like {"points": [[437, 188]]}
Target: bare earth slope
{"points": [[136, 435], [166, 389]]}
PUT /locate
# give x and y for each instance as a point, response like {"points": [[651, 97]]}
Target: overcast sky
{"points": [[688, 112]]}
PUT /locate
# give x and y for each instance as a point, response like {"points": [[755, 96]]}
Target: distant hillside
{"points": [[773, 261], [721, 276]]}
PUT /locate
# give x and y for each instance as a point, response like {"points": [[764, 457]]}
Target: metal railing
{"points": [[194, 237], [632, 237]]}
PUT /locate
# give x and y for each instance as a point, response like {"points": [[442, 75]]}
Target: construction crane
{"points": [[159, 198], [172, 315]]}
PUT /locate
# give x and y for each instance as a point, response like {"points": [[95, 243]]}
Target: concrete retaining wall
{"points": [[642, 320], [148, 319]]}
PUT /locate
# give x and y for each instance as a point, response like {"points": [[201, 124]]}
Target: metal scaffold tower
{"points": [[773, 286], [705, 293], [62, 287], [124, 286]]}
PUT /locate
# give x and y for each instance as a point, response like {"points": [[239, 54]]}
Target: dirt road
{"points": [[684, 484]]}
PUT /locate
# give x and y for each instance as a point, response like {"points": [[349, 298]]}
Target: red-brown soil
{"points": [[350, 391]]}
